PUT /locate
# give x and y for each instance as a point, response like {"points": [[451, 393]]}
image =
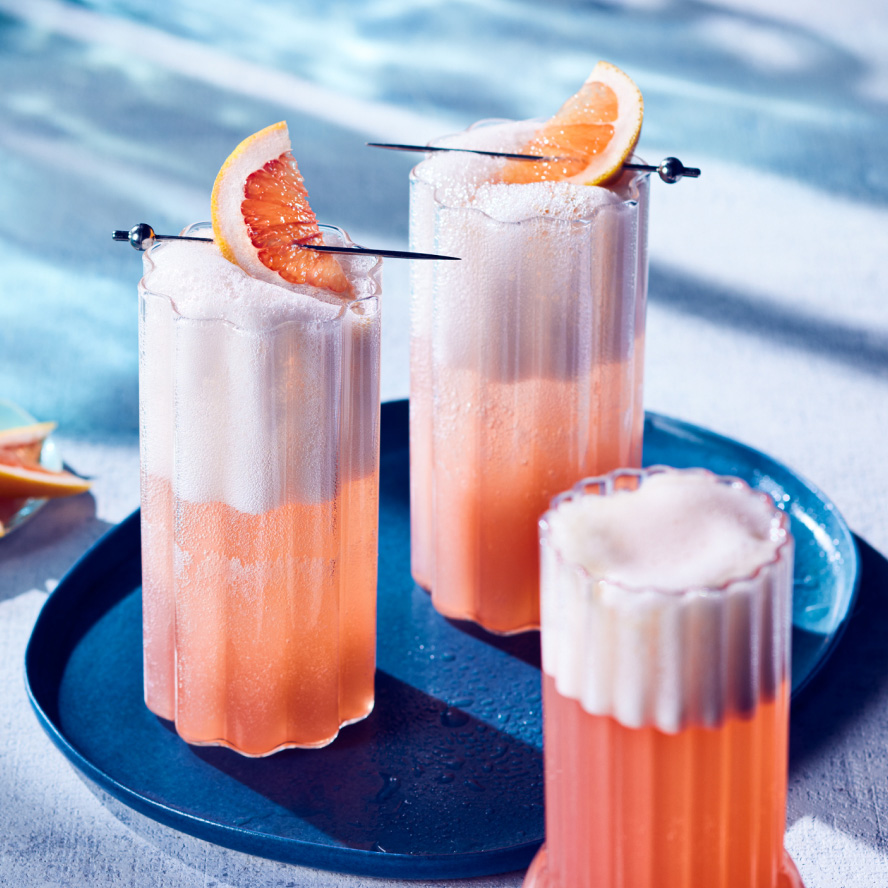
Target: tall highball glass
{"points": [[259, 470], [526, 375]]}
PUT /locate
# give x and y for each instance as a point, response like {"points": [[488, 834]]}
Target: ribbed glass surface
{"points": [[259, 450], [526, 375], [666, 720]]}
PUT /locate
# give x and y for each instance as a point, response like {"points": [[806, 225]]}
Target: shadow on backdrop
{"points": [[734, 83], [863, 349]]}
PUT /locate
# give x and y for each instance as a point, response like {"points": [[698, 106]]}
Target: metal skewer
{"points": [[143, 236], [392, 146], [394, 254], [670, 170]]}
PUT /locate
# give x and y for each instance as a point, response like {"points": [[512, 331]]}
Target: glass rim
{"points": [[779, 521], [635, 178], [353, 305]]}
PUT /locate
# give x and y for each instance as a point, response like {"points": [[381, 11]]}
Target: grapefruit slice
{"points": [[22, 476], [261, 217], [27, 481], [23, 436], [594, 130]]}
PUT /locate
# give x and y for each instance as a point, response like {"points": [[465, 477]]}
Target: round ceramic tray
{"points": [[444, 779]]}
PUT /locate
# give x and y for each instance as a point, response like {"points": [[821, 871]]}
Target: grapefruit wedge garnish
{"points": [[261, 217], [22, 476], [594, 131]]}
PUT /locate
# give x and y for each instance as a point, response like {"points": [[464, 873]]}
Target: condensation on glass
{"points": [[259, 474]]}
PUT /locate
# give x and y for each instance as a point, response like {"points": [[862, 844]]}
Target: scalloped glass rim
{"points": [[361, 305], [609, 482]]}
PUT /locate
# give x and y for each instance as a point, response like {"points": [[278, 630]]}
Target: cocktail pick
{"points": [[393, 147], [143, 236], [670, 170]]}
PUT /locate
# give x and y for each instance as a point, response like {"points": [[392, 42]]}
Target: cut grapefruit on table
{"points": [[593, 133], [261, 217], [22, 475], [18, 481], [25, 442], [26, 435]]}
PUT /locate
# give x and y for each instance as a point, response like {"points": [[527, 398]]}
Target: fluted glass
{"points": [[259, 468], [666, 720], [526, 375]]}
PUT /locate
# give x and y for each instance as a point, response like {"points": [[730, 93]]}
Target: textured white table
{"points": [[767, 319]]}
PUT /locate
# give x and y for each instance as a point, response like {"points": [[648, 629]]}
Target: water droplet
{"points": [[474, 785], [446, 778], [453, 718], [390, 786], [448, 657]]}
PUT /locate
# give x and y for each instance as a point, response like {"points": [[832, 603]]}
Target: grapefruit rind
{"points": [[603, 166], [24, 481], [228, 194], [22, 436]]}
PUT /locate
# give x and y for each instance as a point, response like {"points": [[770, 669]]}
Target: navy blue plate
{"points": [[444, 779]]}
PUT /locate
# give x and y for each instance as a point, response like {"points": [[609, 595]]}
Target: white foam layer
{"points": [[202, 284], [668, 606], [558, 200], [241, 382], [455, 176], [467, 180], [677, 531]]}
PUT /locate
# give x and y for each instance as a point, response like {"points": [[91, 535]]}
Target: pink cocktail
{"points": [[666, 620], [526, 365], [260, 454]]}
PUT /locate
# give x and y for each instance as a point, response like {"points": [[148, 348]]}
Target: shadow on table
{"points": [[524, 646], [856, 675], [42, 550], [416, 776], [169, 850]]}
